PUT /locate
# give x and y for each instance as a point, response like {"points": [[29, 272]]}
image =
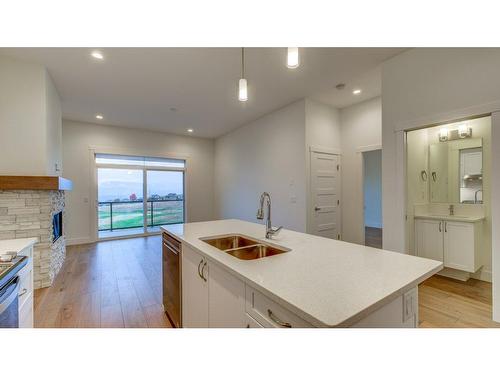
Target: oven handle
{"points": [[5, 303], [171, 248]]}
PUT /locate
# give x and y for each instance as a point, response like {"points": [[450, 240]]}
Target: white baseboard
{"points": [[78, 241]]}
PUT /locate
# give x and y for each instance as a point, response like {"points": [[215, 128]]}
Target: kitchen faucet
{"points": [[270, 232], [452, 210]]}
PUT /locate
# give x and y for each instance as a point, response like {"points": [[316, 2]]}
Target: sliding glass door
{"points": [[165, 204], [123, 182]]}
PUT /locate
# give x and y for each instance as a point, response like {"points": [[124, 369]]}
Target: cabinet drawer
{"points": [[251, 322], [26, 313], [269, 313]]}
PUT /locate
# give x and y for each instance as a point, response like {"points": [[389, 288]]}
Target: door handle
{"points": [[446, 227], [440, 224]]}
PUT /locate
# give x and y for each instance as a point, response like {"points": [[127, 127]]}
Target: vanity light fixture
{"points": [[443, 134], [97, 55], [464, 131], [292, 59], [242, 85]]}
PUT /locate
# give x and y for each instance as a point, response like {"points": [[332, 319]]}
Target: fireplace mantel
{"points": [[35, 183]]}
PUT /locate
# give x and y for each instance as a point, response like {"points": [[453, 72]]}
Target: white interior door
{"points": [[325, 190]]}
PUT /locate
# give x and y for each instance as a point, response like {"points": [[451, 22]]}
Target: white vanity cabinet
{"points": [[457, 244]]}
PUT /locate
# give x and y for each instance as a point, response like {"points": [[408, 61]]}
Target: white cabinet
{"points": [[429, 239], [26, 290], [211, 297], [194, 289], [461, 246], [457, 244], [226, 303]]}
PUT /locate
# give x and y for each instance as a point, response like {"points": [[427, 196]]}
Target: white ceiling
{"points": [[137, 87]]}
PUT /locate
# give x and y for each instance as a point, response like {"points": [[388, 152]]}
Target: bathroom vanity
{"points": [[455, 240]]}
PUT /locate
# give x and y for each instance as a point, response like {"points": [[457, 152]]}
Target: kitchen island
{"points": [[316, 282]]}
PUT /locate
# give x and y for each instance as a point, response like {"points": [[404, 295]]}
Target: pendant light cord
{"points": [[242, 62]]}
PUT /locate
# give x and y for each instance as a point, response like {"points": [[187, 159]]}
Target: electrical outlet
{"points": [[410, 305]]}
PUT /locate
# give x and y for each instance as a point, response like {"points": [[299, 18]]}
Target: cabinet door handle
{"points": [[199, 265], [203, 272], [446, 226], [23, 292], [277, 321], [440, 223]]}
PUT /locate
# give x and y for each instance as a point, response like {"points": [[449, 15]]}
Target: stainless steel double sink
{"points": [[243, 247]]}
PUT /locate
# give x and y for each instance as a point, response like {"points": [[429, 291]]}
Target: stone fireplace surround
{"points": [[29, 213]]}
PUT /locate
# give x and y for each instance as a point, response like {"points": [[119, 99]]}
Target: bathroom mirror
{"points": [[456, 171]]}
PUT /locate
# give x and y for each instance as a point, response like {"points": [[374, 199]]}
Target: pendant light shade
{"points": [[242, 90], [292, 60], [242, 84]]}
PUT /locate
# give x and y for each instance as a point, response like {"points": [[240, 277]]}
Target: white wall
{"points": [[30, 119], [53, 115], [361, 129], [322, 130], [372, 186], [426, 86], [264, 155], [78, 137]]}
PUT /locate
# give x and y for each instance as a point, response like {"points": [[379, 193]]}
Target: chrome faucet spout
{"points": [[260, 214]]}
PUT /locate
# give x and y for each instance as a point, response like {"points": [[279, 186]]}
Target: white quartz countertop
{"points": [[326, 282], [463, 218], [16, 244]]}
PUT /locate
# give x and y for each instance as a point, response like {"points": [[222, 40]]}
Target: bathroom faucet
{"points": [[270, 232], [452, 210]]}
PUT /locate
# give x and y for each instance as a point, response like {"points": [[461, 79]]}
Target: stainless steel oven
{"points": [[9, 290], [172, 272]]}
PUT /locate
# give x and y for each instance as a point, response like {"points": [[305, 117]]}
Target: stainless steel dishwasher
{"points": [[172, 272]]}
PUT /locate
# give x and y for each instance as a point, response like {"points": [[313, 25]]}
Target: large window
{"points": [[124, 181]]}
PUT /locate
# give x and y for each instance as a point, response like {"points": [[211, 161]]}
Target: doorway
{"points": [[372, 198]]}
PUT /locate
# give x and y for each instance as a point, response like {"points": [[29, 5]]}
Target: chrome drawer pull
{"points": [[277, 321], [23, 292], [203, 271], [199, 265]]}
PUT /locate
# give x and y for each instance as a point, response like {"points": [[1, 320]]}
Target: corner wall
{"points": [[361, 130], [79, 137], [264, 155]]}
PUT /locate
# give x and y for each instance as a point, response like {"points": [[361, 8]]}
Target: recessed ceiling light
{"points": [[97, 55], [99, 117], [190, 130], [357, 92]]}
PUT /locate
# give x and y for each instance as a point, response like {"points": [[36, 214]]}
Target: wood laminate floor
{"points": [[448, 303], [107, 284], [118, 284]]}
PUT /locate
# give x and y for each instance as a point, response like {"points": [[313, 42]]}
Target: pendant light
{"points": [[242, 87], [292, 59]]}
